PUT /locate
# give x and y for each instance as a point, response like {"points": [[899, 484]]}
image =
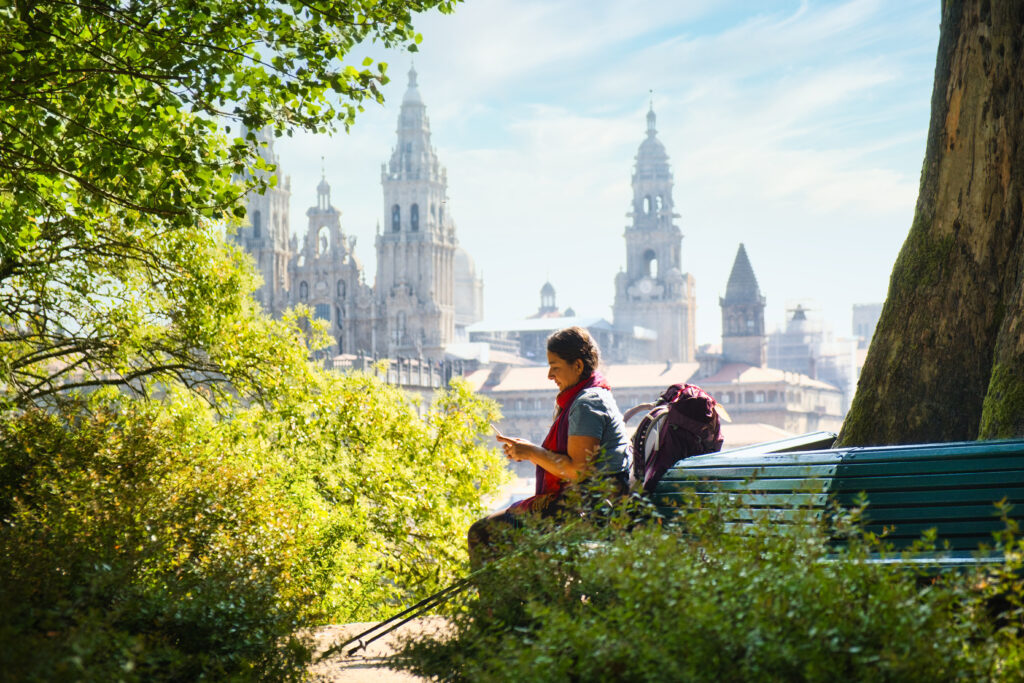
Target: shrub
{"points": [[133, 549], [144, 540], [707, 601]]}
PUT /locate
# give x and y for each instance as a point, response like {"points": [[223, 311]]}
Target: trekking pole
{"points": [[428, 603], [416, 610]]}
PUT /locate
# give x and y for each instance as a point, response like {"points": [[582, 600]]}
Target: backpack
{"points": [[683, 422]]}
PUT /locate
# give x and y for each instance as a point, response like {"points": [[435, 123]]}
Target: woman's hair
{"points": [[575, 343]]}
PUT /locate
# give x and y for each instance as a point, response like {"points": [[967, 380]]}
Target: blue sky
{"points": [[796, 128]]}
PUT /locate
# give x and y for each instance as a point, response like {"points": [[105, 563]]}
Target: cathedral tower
{"points": [[328, 277], [415, 284], [266, 233], [743, 339], [653, 292]]}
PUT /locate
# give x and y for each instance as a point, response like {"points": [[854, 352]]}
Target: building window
{"points": [[341, 289], [257, 223], [396, 218], [650, 263], [648, 205], [339, 316], [748, 397], [399, 331], [759, 397], [414, 218], [773, 396], [322, 311], [303, 290]]}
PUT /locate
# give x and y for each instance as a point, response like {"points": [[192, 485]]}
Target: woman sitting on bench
{"points": [[588, 438]]}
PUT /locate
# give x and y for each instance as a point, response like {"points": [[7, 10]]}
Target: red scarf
{"points": [[557, 439]]}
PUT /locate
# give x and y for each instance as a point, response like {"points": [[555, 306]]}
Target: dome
{"points": [[464, 264], [547, 290], [651, 157]]}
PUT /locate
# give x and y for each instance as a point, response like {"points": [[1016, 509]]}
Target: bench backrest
{"points": [[950, 487]]}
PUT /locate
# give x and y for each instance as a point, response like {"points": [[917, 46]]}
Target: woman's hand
{"points": [[565, 465], [518, 449]]}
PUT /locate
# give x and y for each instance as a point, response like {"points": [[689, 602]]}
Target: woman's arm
{"points": [[566, 466]]}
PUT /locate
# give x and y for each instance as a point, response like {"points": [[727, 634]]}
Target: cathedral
{"points": [[652, 292], [426, 290]]}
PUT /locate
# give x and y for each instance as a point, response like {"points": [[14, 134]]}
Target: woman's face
{"points": [[564, 373]]}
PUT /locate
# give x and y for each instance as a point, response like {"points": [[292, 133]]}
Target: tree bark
{"points": [[947, 359]]}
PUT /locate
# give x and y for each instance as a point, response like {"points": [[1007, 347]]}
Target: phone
{"points": [[496, 432]]}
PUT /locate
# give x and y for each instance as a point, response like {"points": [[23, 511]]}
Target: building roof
{"points": [[623, 376], [741, 373], [654, 376], [737, 434], [539, 324], [742, 286]]}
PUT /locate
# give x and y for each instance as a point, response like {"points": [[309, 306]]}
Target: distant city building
{"points": [[865, 320], [267, 237], [764, 403], [799, 345], [427, 291], [653, 293], [807, 345]]}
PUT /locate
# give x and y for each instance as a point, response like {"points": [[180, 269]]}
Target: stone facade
{"points": [[426, 290]]}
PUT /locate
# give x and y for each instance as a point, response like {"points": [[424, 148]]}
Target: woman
{"points": [[587, 438]]}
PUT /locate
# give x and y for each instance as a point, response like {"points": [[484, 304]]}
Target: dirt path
{"points": [[369, 665]]}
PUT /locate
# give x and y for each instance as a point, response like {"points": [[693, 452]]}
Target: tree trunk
{"points": [[947, 359]]}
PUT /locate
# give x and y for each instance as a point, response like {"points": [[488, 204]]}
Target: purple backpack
{"points": [[683, 422]]}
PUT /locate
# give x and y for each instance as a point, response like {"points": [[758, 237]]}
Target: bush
{"points": [[144, 540], [706, 601], [133, 549]]}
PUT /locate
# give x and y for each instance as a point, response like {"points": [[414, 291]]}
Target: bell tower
{"points": [[653, 292], [416, 247], [743, 339]]}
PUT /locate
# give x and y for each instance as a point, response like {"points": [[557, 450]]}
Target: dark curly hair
{"points": [[575, 343]]}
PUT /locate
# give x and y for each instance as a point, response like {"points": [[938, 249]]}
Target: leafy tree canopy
{"points": [[121, 128]]}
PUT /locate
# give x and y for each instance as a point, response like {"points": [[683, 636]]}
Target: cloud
{"points": [[793, 129]]}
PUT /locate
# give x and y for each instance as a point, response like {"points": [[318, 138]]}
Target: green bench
{"points": [[951, 487]]}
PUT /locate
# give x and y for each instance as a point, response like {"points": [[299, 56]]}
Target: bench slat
{"points": [[950, 451], [977, 528], [950, 481], [931, 466], [753, 485], [728, 459], [765, 470], [752, 499], [936, 513], [1013, 494]]}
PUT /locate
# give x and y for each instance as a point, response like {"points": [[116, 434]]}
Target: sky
{"points": [[795, 128]]}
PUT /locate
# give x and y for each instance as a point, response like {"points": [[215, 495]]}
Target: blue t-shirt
{"points": [[594, 413]]}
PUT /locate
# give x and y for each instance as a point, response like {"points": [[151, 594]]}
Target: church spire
{"points": [[743, 339], [323, 190], [414, 157], [742, 286], [651, 119]]}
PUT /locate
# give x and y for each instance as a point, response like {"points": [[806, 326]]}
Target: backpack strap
{"points": [[637, 409]]}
